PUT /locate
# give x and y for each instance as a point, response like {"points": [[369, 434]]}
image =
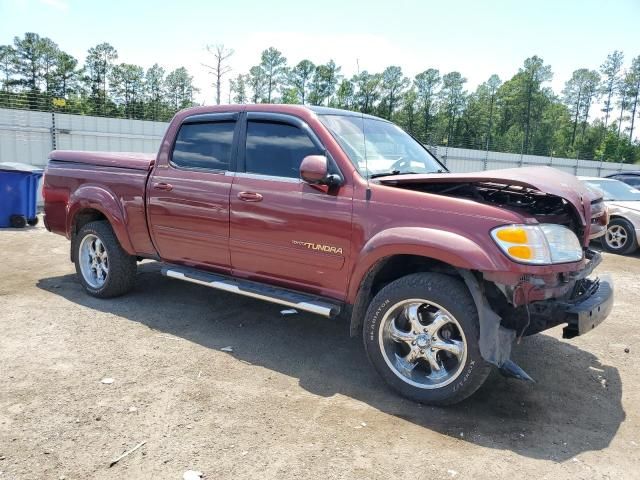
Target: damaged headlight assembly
{"points": [[541, 244]]}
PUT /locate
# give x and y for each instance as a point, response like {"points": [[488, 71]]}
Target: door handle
{"points": [[163, 186], [250, 196]]}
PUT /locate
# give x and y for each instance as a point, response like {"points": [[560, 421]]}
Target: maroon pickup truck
{"points": [[344, 215]]}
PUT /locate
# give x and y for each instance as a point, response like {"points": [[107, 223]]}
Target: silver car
{"points": [[623, 202]]}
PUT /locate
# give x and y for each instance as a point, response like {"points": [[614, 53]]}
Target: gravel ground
{"points": [[295, 399]]}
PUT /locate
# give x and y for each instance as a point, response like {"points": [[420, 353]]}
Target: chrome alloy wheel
{"points": [[94, 261], [422, 343], [616, 237]]}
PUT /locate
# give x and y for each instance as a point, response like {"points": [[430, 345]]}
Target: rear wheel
{"points": [[421, 335], [620, 237], [104, 268]]}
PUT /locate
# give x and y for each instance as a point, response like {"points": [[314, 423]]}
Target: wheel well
{"points": [[85, 216], [80, 220], [386, 271], [618, 217]]}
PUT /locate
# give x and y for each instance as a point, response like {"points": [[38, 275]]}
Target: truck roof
{"points": [[300, 110]]}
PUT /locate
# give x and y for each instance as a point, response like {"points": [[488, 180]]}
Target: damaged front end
{"points": [[548, 283], [512, 306]]}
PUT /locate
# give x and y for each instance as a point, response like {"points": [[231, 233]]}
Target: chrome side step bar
{"points": [[281, 296]]}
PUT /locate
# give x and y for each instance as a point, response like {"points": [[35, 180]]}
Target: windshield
{"points": [[387, 149], [616, 190]]}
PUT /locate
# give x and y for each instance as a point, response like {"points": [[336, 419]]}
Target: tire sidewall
{"points": [[475, 369], [631, 244]]}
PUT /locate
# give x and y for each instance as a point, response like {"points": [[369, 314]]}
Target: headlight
{"points": [[538, 244]]}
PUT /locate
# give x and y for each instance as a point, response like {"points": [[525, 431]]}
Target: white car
{"points": [[623, 202]]}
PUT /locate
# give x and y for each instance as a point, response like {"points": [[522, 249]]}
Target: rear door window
{"points": [[204, 145]]}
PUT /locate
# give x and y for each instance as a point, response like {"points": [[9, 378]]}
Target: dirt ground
{"points": [[295, 399]]}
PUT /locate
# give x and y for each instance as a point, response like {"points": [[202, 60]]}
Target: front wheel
{"points": [[104, 268], [421, 335], [620, 237]]}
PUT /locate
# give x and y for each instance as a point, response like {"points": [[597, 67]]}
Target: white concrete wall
{"points": [[29, 136], [465, 160]]}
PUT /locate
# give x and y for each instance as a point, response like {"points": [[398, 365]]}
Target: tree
{"points": [[126, 87], [274, 66], [492, 85], [367, 90], [324, 82], [345, 96], [452, 97], [179, 89], [28, 66], [98, 64], [300, 76], [219, 67], [257, 82], [610, 69], [50, 56], [632, 90], [408, 115], [426, 84], [393, 85], [579, 93], [534, 74], [7, 65], [238, 89], [290, 95], [154, 85], [65, 76]]}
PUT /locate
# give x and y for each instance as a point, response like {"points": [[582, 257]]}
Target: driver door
{"points": [[283, 230]]}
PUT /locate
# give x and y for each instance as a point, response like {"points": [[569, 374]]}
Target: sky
{"points": [[476, 38]]}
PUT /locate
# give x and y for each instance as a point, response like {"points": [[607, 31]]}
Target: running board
{"points": [[282, 296]]}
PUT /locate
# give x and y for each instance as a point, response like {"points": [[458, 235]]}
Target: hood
{"points": [[633, 205], [545, 179], [130, 160]]}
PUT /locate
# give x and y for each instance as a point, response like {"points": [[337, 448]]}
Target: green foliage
{"points": [[274, 66], [521, 114], [299, 78], [36, 74]]}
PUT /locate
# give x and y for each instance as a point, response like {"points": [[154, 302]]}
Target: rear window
{"points": [[204, 145]]}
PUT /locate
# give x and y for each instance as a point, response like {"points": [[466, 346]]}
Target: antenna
{"points": [[364, 143]]}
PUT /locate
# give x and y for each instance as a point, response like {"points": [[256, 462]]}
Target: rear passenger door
{"points": [[283, 230], [188, 199]]}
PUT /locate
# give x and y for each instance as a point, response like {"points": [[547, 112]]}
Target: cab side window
{"points": [[276, 149], [204, 145]]}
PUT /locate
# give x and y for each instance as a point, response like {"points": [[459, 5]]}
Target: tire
{"points": [[620, 237], [442, 301], [18, 221], [33, 221], [115, 269]]}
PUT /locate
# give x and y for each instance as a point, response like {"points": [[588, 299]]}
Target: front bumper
{"points": [[591, 309]]}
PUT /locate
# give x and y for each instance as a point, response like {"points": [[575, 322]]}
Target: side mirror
{"points": [[314, 170]]}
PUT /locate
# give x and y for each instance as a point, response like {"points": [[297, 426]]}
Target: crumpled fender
{"points": [[442, 245], [99, 198]]}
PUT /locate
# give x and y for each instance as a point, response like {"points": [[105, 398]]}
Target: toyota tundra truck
{"points": [[346, 216]]}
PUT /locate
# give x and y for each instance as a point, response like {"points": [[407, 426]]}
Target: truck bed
{"points": [[111, 183]]}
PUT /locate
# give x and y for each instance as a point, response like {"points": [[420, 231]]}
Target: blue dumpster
{"points": [[18, 194]]}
